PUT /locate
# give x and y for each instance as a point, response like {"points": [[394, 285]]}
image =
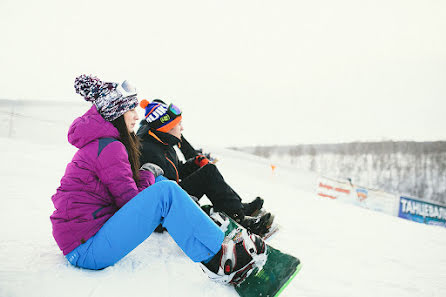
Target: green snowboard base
{"points": [[275, 275]]}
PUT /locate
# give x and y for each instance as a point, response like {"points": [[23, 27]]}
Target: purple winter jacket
{"points": [[97, 182]]}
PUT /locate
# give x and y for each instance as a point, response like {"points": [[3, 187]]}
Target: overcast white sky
{"points": [[245, 72]]}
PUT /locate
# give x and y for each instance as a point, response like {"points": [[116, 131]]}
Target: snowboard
{"points": [[272, 278]]}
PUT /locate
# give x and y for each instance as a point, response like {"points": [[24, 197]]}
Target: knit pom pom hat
{"points": [[111, 99], [161, 117]]}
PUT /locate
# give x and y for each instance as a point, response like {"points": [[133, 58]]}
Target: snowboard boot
{"points": [[253, 208], [240, 253], [259, 225]]}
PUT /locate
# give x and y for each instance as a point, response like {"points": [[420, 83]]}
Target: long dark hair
{"points": [[131, 143]]}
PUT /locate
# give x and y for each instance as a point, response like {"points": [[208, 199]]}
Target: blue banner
{"points": [[422, 212]]}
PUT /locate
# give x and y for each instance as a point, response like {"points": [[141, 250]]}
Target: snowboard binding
{"points": [[240, 254]]}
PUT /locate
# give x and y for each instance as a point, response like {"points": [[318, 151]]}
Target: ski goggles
{"points": [[126, 89], [174, 109]]}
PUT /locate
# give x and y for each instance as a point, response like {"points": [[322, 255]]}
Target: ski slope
{"points": [[345, 250]]}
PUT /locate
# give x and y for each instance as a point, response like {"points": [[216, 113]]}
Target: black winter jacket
{"points": [[158, 148]]}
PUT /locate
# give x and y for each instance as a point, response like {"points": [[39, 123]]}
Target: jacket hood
{"points": [[166, 138], [89, 127], [143, 129]]}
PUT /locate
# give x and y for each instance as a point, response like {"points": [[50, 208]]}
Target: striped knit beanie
{"points": [[161, 117], [111, 99]]}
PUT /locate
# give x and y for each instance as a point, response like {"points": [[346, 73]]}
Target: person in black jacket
{"points": [[160, 132]]}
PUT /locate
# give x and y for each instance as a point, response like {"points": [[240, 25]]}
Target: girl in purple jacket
{"points": [[107, 204]]}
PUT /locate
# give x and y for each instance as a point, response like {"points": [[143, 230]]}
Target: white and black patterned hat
{"points": [[111, 99]]}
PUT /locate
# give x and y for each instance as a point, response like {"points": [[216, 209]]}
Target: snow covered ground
{"points": [[345, 250]]}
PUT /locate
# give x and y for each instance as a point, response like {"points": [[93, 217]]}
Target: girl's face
{"points": [[130, 118], [176, 131]]}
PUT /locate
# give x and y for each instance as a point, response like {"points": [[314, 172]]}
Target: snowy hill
{"points": [[345, 250]]}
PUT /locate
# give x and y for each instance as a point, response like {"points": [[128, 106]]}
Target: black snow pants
{"points": [[208, 181]]}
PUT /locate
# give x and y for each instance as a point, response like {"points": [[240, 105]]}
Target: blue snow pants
{"points": [[163, 202]]}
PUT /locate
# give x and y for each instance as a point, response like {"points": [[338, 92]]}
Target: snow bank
{"points": [[345, 250]]}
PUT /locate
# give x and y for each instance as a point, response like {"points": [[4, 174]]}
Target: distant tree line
{"points": [[416, 169]]}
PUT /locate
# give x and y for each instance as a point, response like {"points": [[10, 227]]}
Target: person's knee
{"points": [[170, 190], [169, 185], [209, 168], [162, 192], [162, 185]]}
